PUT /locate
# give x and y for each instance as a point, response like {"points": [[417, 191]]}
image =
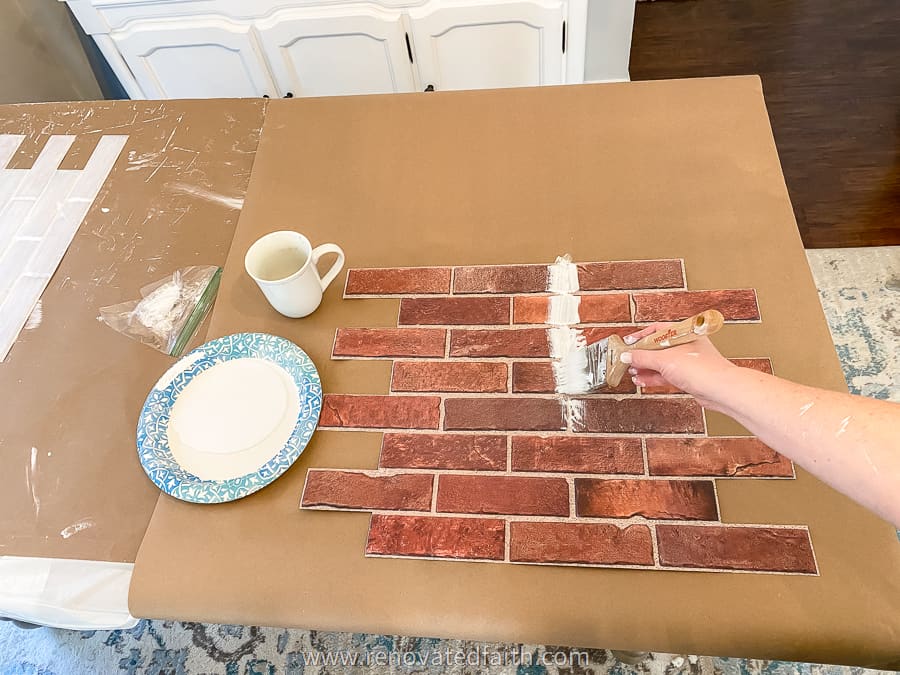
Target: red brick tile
{"points": [[648, 416], [714, 457], [537, 377], [762, 365], [387, 342], [664, 499], [531, 308], [454, 311], [436, 537], [602, 276], [577, 454], [500, 279], [522, 342], [759, 549], [510, 495], [490, 413], [380, 412], [580, 543], [735, 305], [443, 451], [398, 280], [450, 376], [354, 490], [594, 334], [611, 307]]}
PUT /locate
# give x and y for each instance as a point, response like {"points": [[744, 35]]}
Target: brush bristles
{"points": [[572, 373]]}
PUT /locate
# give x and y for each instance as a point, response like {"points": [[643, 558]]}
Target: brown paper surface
{"points": [[72, 388], [605, 172]]}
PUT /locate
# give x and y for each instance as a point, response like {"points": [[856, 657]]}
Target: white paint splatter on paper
{"points": [[75, 528], [207, 195], [36, 316]]}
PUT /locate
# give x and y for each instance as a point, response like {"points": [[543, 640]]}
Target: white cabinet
{"points": [[194, 58], [474, 45], [332, 51], [238, 48]]}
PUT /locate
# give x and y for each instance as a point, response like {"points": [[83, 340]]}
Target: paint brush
{"points": [[598, 365]]}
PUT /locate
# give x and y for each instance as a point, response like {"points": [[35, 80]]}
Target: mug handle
{"points": [[336, 268]]}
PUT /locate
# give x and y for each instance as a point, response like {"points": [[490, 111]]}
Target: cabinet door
{"points": [[331, 51], [194, 58], [467, 44]]}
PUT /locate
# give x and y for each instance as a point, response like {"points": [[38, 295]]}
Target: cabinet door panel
{"points": [[472, 45], [335, 51], [194, 58]]}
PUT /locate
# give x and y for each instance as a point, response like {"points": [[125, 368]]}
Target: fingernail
{"points": [[625, 357], [629, 339], [636, 381], [632, 371]]}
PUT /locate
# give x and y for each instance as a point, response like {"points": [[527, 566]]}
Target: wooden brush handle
{"points": [[688, 330]]}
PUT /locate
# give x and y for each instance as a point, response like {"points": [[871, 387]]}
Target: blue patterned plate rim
{"points": [[152, 444]]}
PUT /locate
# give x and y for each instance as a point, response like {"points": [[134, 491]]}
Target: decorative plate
{"points": [[229, 417]]}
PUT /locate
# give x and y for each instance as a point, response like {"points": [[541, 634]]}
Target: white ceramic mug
{"points": [[283, 265]]}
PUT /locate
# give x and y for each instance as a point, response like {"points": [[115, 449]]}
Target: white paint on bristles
{"points": [[36, 316]]}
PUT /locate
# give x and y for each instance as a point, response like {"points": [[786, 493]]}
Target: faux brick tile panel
{"points": [[509, 495], [501, 279], [443, 451], [518, 343], [648, 415], [735, 305], [606, 308], [398, 281], [436, 537], [449, 376], [577, 455], [353, 490], [580, 543], [380, 412], [762, 365], [390, 342], [593, 334], [762, 549], [454, 311], [521, 414], [537, 377], [715, 457], [659, 499], [630, 274]]}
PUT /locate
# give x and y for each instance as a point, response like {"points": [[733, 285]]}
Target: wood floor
{"points": [[831, 77]]}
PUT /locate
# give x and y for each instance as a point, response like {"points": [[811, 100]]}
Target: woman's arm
{"points": [[850, 442]]}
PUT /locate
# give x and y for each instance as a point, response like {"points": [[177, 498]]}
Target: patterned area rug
{"points": [[860, 291]]}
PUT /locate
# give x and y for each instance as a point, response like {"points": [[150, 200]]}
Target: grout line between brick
{"points": [[509, 454], [644, 453], [434, 491], [655, 544], [506, 540], [572, 508]]}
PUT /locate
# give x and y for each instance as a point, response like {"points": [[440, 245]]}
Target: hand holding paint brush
{"points": [[601, 364]]}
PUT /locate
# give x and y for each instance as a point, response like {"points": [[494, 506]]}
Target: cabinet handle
{"points": [[265, 96], [290, 94], [430, 87]]}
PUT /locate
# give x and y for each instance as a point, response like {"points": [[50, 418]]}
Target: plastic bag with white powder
{"points": [[169, 311]]}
